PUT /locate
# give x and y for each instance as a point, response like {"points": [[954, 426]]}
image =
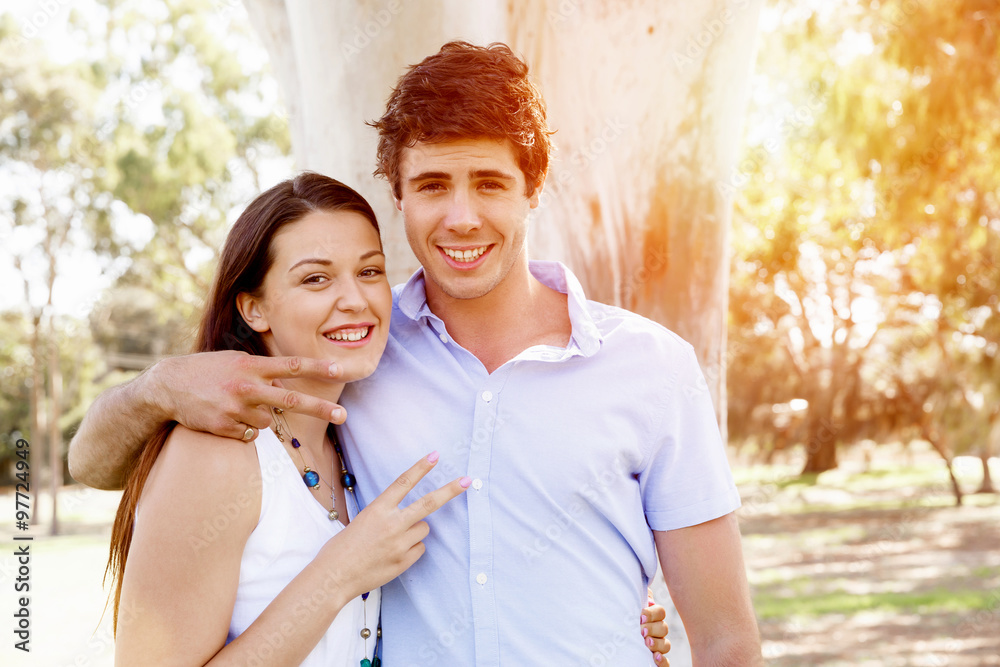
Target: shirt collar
{"points": [[412, 301]]}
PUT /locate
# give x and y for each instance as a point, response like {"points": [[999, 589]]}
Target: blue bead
{"points": [[347, 479], [295, 443], [364, 596], [311, 478]]}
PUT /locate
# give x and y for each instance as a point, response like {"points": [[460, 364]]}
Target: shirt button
{"points": [[444, 339], [487, 395], [477, 484], [481, 579]]}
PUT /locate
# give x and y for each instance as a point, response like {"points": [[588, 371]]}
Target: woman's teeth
{"points": [[349, 335]]}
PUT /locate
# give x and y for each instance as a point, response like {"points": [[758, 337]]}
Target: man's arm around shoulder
{"points": [[222, 392], [703, 568]]}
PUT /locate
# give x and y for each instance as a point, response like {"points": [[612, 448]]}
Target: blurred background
{"points": [[809, 192]]}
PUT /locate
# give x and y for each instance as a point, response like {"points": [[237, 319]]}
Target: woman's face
{"points": [[326, 295]]}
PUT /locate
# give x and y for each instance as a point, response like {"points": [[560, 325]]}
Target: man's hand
{"points": [[224, 392], [218, 392]]}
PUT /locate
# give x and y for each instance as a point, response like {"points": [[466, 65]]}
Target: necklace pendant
{"points": [[334, 515], [310, 477], [366, 663]]}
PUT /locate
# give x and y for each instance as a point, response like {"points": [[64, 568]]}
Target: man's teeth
{"points": [[465, 255], [350, 335]]}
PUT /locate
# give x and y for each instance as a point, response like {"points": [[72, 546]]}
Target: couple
{"points": [[580, 453]]}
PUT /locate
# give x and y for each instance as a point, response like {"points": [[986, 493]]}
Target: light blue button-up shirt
{"points": [[576, 455]]}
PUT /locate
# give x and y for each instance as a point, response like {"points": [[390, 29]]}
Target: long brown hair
{"points": [[245, 260]]}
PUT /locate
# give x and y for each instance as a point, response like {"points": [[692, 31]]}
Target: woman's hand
{"points": [[386, 539], [653, 625]]}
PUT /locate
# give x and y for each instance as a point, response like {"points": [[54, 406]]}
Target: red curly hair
{"points": [[465, 91]]}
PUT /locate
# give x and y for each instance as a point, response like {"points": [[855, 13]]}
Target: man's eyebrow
{"points": [[310, 260], [428, 175], [491, 173]]}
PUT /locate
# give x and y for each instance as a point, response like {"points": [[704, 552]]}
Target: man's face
{"points": [[466, 214]]}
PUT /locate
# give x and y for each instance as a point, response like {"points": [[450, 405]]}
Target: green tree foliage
{"points": [[865, 272], [128, 137]]}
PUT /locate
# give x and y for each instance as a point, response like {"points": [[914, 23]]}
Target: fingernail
{"points": [[464, 482], [333, 369], [645, 631], [433, 457], [642, 620], [336, 413], [657, 657], [649, 642]]}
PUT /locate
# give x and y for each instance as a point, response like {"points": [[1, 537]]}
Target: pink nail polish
{"points": [[645, 631], [465, 482], [649, 642], [642, 619], [659, 658], [433, 457]]}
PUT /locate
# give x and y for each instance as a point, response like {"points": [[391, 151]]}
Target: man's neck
{"points": [[517, 314]]}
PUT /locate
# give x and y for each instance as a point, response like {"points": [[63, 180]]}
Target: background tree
{"points": [[869, 226], [647, 99]]}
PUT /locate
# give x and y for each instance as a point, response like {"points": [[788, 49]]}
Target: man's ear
{"points": [[536, 196], [251, 312]]}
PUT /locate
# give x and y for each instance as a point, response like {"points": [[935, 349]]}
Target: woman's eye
{"points": [[371, 272], [314, 279]]}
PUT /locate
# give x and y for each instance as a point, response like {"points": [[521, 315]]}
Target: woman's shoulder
{"points": [[214, 465]]}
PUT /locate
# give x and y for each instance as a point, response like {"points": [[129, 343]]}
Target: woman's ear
{"points": [[250, 310]]}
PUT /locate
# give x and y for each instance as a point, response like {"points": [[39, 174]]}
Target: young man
{"points": [[592, 446]]}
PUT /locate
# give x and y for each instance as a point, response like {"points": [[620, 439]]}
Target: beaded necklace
{"points": [[312, 480]]}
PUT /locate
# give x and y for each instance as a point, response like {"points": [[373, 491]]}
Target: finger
{"points": [[661, 660], [654, 613], [433, 501], [257, 394], [275, 368], [657, 644], [405, 482]]}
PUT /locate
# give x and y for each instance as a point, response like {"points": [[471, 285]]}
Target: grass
{"points": [[771, 606]]}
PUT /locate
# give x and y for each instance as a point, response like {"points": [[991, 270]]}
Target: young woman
{"points": [[233, 553]]}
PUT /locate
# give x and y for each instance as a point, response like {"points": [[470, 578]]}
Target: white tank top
{"points": [[292, 529]]}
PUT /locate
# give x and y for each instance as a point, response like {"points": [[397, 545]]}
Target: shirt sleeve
{"points": [[686, 479]]}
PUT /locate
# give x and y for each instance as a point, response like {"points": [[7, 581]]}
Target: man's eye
{"points": [[430, 187]]}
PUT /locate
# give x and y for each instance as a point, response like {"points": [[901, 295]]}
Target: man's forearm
{"points": [[118, 424]]}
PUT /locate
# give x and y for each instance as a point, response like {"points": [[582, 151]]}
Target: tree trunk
{"points": [[821, 446], [992, 437], [55, 413], [35, 458], [987, 485], [647, 99]]}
